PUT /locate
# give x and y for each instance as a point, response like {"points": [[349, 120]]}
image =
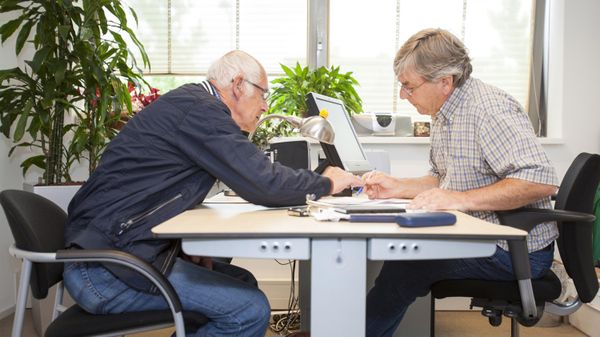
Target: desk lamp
{"points": [[315, 127]]}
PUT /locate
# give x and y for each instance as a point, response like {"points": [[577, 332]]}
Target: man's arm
{"points": [[506, 194], [379, 185]]}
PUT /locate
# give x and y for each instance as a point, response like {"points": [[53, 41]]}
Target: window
{"points": [[497, 34], [182, 37]]}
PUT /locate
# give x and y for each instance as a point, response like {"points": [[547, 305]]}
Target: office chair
{"points": [[525, 300], [37, 225]]}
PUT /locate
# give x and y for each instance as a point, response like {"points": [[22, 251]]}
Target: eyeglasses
{"points": [[265, 92], [410, 91]]}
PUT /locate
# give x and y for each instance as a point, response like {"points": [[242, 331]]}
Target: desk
{"points": [[338, 250]]}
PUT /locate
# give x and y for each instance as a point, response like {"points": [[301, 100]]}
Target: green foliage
{"points": [[80, 68], [288, 96], [289, 92]]}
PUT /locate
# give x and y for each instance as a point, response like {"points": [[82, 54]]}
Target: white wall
{"points": [[579, 107]]}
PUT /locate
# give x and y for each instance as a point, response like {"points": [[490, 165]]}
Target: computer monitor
{"points": [[346, 151]]}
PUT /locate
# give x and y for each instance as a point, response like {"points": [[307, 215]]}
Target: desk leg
{"points": [[304, 294], [338, 287]]}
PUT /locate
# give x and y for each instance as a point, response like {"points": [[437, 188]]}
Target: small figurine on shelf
{"points": [[421, 129]]}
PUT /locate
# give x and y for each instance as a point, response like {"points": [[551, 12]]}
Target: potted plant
{"points": [[64, 102], [289, 96]]}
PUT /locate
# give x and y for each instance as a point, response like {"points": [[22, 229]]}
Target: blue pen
{"points": [[360, 189]]}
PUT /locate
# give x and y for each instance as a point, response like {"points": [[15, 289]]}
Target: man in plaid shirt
{"points": [[484, 157]]}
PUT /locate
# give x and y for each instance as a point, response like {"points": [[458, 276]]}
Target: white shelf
{"points": [[400, 140], [425, 140]]}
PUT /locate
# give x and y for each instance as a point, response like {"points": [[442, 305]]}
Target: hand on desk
{"points": [[438, 199], [423, 191]]}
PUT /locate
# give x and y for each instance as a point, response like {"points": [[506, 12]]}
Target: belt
{"points": [[548, 247]]}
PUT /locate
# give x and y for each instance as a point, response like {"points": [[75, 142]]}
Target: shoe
{"points": [[299, 334]]}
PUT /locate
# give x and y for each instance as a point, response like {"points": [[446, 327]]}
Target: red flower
{"points": [[140, 100]]}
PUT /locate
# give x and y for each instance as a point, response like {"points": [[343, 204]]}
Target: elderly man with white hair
{"points": [[165, 161]]}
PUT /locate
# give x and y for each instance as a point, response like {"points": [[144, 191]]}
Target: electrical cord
{"points": [[290, 320]]}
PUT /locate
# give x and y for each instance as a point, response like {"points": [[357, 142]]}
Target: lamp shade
{"points": [[315, 127]]}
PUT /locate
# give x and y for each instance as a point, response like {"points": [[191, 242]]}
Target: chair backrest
{"points": [[576, 193], [37, 224]]}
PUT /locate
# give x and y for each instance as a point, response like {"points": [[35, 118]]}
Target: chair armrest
{"points": [[135, 263], [528, 218]]}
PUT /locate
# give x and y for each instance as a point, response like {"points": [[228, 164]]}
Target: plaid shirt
{"points": [[481, 135]]}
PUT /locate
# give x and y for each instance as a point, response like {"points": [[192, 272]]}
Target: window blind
{"points": [[183, 37], [364, 39]]}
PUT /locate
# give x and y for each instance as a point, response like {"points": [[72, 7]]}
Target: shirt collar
{"points": [[454, 101], [211, 89]]}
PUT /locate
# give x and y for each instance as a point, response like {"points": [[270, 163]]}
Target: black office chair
{"points": [[525, 300], [37, 225]]}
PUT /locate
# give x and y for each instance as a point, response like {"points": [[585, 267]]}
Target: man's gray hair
{"points": [[434, 53], [235, 62]]}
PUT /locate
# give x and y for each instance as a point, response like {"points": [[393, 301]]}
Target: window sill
{"points": [[425, 140]]}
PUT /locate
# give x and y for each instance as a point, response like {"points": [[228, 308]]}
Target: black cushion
{"points": [[546, 288], [76, 322]]}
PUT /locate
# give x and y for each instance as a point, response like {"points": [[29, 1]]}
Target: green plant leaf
{"points": [[24, 116], [23, 35], [40, 57], [7, 29], [9, 6], [39, 161], [59, 73]]}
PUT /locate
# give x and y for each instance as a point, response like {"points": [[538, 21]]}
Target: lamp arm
{"points": [[294, 121]]}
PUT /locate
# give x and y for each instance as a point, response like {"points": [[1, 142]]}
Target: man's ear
{"points": [[237, 86], [447, 84]]}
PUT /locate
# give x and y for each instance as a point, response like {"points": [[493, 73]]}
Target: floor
{"points": [[448, 324]]}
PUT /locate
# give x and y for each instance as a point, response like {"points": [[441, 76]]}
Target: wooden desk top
{"points": [[252, 221]]}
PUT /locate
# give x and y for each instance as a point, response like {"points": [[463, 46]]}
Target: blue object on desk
{"points": [[426, 219], [374, 217]]}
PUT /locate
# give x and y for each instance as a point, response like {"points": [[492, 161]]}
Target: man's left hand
{"points": [[439, 199]]}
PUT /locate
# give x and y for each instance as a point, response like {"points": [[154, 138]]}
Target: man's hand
{"points": [[202, 261], [379, 185], [439, 199], [340, 179]]}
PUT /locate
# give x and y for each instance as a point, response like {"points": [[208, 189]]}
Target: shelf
{"points": [[403, 140], [425, 140]]}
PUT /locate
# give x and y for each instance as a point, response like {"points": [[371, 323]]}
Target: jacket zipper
{"points": [[125, 225], [174, 250]]}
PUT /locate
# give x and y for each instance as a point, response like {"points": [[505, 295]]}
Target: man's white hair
{"points": [[235, 62]]}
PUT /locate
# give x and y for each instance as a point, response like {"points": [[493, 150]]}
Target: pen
{"points": [[360, 189]]}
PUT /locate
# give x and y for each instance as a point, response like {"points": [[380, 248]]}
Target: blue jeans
{"points": [[227, 295], [400, 282]]}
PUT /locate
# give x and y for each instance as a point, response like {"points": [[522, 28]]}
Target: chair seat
{"points": [[76, 322], [546, 288]]}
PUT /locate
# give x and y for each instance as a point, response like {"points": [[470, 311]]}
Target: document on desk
{"points": [[221, 198], [349, 205]]}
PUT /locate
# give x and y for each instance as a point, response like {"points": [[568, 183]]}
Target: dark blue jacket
{"points": [[163, 162]]}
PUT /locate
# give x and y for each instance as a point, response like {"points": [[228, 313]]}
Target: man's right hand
{"points": [[379, 185], [340, 179]]}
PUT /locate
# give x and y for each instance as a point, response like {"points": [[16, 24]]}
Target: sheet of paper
{"points": [[345, 201], [221, 198]]}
